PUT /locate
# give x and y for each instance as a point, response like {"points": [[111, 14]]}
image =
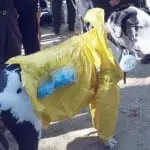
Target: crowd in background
{"points": [[107, 5], [19, 22], [18, 25]]}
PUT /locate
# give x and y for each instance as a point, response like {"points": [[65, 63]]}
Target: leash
{"points": [[123, 49]]}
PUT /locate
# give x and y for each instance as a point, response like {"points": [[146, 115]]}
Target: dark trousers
{"points": [[10, 38], [105, 5], [108, 8], [135, 2], [56, 12], [28, 25]]}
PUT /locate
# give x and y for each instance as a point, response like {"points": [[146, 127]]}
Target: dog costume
{"points": [[98, 75]]}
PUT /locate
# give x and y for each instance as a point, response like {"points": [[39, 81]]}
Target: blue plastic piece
{"points": [[45, 90], [60, 78], [64, 76]]}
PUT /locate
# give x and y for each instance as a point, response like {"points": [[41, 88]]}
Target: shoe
{"points": [[146, 59], [57, 31], [71, 28]]}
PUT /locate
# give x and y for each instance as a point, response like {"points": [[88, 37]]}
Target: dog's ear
{"points": [[127, 19], [116, 22], [119, 20]]}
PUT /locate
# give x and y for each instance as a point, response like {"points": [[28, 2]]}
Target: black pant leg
{"points": [[71, 13], [3, 28], [13, 39], [56, 14], [105, 5], [28, 25]]}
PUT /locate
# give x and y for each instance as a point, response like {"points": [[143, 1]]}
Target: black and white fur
{"points": [[129, 27], [125, 27], [16, 110]]}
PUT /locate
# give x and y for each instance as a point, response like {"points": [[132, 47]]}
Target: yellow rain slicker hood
{"points": [[97, 77]]}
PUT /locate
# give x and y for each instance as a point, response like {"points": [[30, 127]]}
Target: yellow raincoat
{"points": [[97, 71]]}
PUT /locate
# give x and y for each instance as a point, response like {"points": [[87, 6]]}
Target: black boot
{"points": [[71, 28], [57, 31]]}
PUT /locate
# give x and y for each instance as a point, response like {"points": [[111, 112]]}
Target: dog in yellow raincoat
{"points": [[96, 86]]}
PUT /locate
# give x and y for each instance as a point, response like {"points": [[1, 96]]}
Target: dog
{"points": [[127, 28]]}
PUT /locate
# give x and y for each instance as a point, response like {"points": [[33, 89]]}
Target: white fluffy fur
{"points": [[147, 3], [143, 33], [19, 104]]}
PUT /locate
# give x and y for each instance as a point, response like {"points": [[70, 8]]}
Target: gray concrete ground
{"points": [[133, 127]]}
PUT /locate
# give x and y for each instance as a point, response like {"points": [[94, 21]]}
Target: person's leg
{"points": [[13, 39], [105, 5], [3, 28], [71, 14], [28, 24], [56, 15]]}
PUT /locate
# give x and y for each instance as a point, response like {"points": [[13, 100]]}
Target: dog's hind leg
{"points": [[19, 117], [26, 135]]}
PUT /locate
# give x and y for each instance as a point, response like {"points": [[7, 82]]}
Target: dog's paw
{"points": [[110, 144]]}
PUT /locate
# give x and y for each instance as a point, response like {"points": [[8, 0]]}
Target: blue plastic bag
{"points": [[60, 78]]}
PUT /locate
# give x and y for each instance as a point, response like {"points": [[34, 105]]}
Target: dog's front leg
{"points": [[104, 111], [111, 143]]}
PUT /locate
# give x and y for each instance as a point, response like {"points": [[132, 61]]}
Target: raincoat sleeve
{"points": [[104, 106]]}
